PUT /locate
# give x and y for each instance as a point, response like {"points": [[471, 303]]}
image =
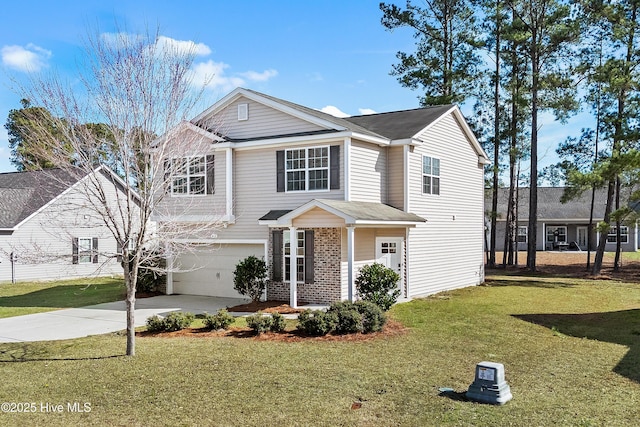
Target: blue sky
{"points": [[324, 54]]}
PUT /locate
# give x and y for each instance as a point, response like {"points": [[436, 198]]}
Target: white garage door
{"points": [[210, 271]]}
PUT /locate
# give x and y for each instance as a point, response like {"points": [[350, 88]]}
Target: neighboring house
{"points": [[318, 197], [561, 225], [48, 227]]}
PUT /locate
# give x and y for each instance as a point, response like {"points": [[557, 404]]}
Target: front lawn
{"points": [[571, 350], [36, 297]]}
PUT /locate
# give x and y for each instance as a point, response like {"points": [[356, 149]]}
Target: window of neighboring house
{"points": [[624, 234], [522, 234], [430, 175], [84, 250], [307, 169], [556, 234], [298, 255]]}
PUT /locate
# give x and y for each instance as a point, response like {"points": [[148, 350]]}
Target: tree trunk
{"points": [[597, 263], [533, 171], [496, 144], [616, 261]]}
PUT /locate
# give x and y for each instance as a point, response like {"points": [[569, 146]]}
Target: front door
{"points": [[389, 252], [582, 238]]}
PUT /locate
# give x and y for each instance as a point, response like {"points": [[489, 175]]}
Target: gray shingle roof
{"points": [[400, 124], [393, 125], [23, 193], [359, 211], [549, 205]]}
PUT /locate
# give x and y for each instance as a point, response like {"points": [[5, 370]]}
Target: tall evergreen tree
{"points": [[445, 64]]}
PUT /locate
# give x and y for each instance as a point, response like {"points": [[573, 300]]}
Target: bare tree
{"points": [[138, 87]]}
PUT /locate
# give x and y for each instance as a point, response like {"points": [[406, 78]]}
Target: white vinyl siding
{"points": [[368, 169], [52, 231], [446, 252], [395, 173], [255, 192], [262, 121]]}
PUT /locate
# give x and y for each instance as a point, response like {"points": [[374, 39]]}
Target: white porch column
{"points": [[293, 265], [350, 262], [169, 267], [229, 183]]}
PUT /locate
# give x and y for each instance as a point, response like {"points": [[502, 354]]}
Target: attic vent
{"points": [[243, 112]]}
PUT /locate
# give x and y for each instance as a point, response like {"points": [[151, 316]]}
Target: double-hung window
{"points": [[84, 250], [556, 234], [297, 255], [189, 175], [612, 237], [307, 169], [522, 234], [430, 175]]}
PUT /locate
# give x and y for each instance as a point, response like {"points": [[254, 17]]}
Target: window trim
{"points": [[431, 176], [188, 176], [624, 237], [307, 169], [525, 234]]}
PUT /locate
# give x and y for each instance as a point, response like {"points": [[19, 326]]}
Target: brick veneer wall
{"points": [[326, 287]]}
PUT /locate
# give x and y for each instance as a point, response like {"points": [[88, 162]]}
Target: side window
{"points": [[190, 176], [84, 250], [430, 175]]}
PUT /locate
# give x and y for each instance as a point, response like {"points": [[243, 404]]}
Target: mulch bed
{"points": [[266, 307], [392, 328]]}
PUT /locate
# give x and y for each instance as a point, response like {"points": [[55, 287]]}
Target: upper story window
{"points": [[612, 237], [190, 175], [308, 169], [430, 175]]}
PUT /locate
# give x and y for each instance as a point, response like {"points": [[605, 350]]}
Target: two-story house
{"points": [[318, 197]]}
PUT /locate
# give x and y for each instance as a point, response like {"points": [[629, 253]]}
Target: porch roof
{"points": [[353, 213]]}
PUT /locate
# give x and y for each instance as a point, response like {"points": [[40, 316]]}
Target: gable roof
{"points": [[550, 208], [381, 128], [24, 193], [355, 213]]}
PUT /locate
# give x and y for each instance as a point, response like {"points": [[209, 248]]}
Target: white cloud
{"points": [[334, 111], [213, 75], [365, 111], [27, 58], [254, 76], [183, 46]]}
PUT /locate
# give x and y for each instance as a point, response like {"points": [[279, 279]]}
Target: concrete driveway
{"points": [[103, 318]]}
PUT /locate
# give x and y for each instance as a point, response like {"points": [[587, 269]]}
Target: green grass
{"points": [[36, 297], [571, 350]]}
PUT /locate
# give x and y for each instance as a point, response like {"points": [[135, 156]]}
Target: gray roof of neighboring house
{"points": [[23, 193], [550, 206]]}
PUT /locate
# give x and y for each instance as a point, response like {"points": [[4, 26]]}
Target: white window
{"points": [[297, 255], [430, 175], [556, 234], [624, 234], [189, 175], [307, 169], [522, 234], [243, 112], [85, 251]]}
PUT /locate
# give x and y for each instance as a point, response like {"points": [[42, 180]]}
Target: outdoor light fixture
{"points": [[489, 385]]}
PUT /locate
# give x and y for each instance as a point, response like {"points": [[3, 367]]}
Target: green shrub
{"points": [[373, 318], [155, 323], [277, 322], [174, 321], [349, 319], [221, 320], [250, 277], [379, 285], [177, 320], [259, 323], [316, 322]]}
